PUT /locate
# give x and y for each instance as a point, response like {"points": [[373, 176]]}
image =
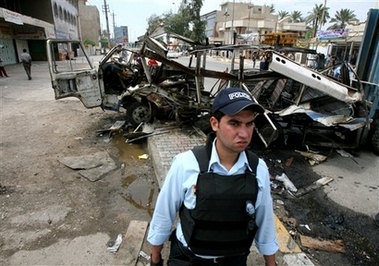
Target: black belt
{"points": [[192, 257]]}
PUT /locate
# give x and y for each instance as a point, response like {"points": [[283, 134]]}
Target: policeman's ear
{"points": [[214, 123]]}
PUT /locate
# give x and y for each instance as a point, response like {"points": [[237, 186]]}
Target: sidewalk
{"points": [[163, 148]]}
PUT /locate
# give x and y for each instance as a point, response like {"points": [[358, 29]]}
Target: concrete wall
{"points": [[40, 9], [65, 13], [89, 22]]}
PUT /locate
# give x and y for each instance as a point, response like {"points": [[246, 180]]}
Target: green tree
{"points": [[296, 16], [89, 42], [191, 12], [185, 22], [104, 42], [317, 17], [177, 23], [153, 22], [341, 18], [272, 8], [283, 14]]}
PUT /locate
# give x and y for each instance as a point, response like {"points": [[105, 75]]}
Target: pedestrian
{"points": [[221, 192], [26, 60], [153, 67], [3, 72], [152, 62], [254, 58]]}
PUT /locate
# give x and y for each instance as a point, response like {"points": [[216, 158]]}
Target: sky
{"points": [[134, 13]]}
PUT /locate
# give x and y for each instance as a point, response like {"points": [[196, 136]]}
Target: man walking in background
{"points": [[254, 58], [2, 69], [26, 60]]}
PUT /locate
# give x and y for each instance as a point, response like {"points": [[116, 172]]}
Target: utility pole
{"points": [[226, 15], [106, 10], [249, 6], [232, 29], [114, 25]]}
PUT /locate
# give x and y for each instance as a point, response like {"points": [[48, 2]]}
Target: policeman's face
{"points": [[234, 132]]}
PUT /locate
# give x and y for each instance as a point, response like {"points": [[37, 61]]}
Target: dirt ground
{"points": [[315, 215], [52, 215], [49, 213]]}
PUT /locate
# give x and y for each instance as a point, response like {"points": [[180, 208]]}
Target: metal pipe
{"points": [[232, 29]]}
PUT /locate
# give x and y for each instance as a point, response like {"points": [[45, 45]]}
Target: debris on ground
{"points": [[335, 221], [116, 126], [290, 221], [289, 161], [113, 246], [315, 185], [313, 157], [142, 254], [346, 154], [324, 245], [93, 166], [286, 182], [3, 189], [306, 226], [143, 157], [148, 130]]}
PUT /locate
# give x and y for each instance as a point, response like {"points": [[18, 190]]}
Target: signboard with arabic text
{"points": [[121, 34], [332, 34], [13, 17]]}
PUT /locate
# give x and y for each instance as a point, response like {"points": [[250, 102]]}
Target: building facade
{"points": [[244, 23], [89, 22], [28, 24], [20, 29]]}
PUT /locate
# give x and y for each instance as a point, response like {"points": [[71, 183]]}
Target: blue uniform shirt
{"points": [[179, 187]]}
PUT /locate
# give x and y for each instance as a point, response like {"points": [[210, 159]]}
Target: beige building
{"points": [[89, 22], [247, 20]]}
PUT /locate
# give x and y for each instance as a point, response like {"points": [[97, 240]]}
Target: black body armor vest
{"points": [[219, 225]]}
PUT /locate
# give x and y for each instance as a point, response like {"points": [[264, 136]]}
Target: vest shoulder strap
{"points": [[202, 155]]}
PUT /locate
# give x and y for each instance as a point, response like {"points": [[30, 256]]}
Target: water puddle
{"points": [[128, 152], [137, 176]]}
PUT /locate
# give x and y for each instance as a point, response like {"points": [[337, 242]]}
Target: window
{"points": [[60, 13], [65, 15], [56, 13]]}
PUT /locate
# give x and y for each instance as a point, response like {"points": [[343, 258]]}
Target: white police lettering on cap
{"points": [[235, 95]]}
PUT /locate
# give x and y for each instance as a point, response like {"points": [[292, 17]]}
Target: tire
{"points": [[375, 140], [266, 132], [138, 112]]}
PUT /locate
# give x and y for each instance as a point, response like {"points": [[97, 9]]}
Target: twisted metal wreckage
{"points": [[327, 112]]}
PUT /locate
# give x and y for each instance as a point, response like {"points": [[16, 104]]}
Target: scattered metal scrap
{"points": [[149, 130], [286, 182], [315, 185], [313, 157], [93, 166], [113, 246]]}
